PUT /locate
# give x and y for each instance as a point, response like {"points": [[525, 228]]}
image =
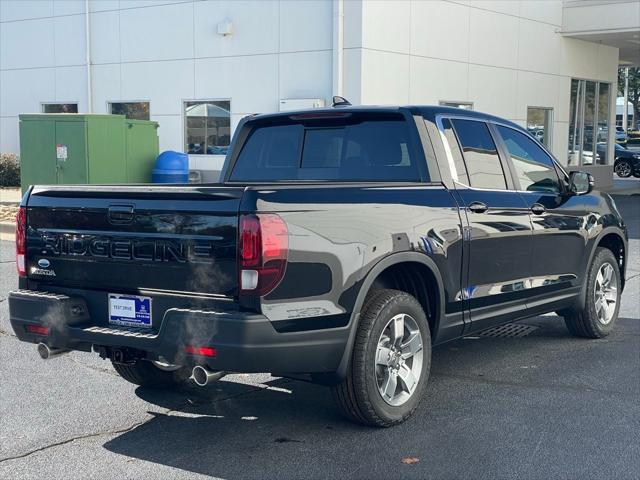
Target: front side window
{"points": [[207, 127], [59, 108], [353, 148], [132, 110], [480, 155], [533, 167]]}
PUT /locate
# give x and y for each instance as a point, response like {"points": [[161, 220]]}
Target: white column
{"points": [[87, 30], [625, 100], [338, 46]]}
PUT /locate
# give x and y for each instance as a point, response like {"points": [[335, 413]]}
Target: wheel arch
{"points": [[611, 239], [368, 283]]}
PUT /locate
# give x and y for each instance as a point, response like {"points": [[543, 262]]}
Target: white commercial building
{"points": [[197, 67]]}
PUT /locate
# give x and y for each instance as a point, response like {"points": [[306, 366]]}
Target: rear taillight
{"points": [[263, 244], [21, 240], [198, 350], [38, 329]]}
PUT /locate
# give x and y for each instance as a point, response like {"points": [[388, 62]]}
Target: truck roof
{"points": [[427, 111]]}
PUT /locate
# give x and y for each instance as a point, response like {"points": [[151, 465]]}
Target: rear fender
{"points": [[372, 275]]}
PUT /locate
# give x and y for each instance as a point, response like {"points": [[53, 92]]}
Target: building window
{"points": [[132, 110], [589, 122], [59, 108], [463, 105], [539, 122], [207, 127]]}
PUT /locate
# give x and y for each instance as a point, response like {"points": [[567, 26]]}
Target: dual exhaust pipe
{"points": [[46, 352], [201, 375]]}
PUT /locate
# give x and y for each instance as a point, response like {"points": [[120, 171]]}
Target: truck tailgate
{"points": [[129, 238]]}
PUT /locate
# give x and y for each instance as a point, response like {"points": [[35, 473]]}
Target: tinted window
{"points": [[270, 153], [534, 168], [480, 155], [456, 153], [332, 150]]}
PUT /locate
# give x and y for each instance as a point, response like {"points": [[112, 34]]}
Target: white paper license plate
{"points": [[129, 310]]}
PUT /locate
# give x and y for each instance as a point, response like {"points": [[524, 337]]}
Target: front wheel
{"points": [[596, 318], [623, 168], [149, 374], [390, 363]]}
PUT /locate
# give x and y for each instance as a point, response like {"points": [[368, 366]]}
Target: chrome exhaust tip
{"points": [[47, 352], [202, 376]]}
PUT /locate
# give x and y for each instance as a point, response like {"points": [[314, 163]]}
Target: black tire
{"points": [[146, 374], [584, 322], [623, 168], [358, 396]]}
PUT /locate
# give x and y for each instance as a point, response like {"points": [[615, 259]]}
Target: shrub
{"points": [[9, 170]]}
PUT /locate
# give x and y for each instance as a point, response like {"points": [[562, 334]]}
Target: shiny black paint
{"points": [[171, 243], [179, 245], [350, 228]]}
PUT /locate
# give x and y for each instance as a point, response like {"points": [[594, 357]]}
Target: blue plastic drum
{"points": [[171, 167]]}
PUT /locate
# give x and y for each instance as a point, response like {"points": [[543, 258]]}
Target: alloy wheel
{"points": [[623, 169], [605, 293], [399, 359]]}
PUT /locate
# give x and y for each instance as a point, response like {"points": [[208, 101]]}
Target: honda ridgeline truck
{"points": [[340, 245]]}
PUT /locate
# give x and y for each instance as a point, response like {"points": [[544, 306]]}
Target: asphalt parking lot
{"points": [[545, 405]]}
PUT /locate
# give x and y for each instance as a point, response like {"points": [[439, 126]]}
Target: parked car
{"points": [[538, 134], [626, 163], [340, 245], [621, 135]]}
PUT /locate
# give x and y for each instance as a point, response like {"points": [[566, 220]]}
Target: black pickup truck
{"points": [[340, 245]]}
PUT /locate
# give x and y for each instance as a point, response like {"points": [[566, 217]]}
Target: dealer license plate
{"points": [[129, 310]]}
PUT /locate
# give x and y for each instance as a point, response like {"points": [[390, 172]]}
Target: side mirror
{"points": [[581, 183]]}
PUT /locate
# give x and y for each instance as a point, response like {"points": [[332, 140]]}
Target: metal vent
{"points": [[509, 330]]}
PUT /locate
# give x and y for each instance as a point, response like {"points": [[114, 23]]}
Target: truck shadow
{"points": [[286, 428]]}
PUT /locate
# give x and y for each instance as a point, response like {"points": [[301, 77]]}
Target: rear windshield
{"points": [[351, 147]]}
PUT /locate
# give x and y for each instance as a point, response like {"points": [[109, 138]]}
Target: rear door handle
{"points": [[538, 209], [478, 207], [121, 214]]}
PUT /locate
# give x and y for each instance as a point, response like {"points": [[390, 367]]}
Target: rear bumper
{"points": [[244, 342]]}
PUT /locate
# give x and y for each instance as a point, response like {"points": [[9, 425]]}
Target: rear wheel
{"points": [[596, 318], [623, 168], [390, 363], [150, 374]]}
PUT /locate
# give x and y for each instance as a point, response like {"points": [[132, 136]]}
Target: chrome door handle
{"points": [[538, 209], [478, 207]]}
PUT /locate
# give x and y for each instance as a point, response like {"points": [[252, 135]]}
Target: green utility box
{"points": [[86, 148]]}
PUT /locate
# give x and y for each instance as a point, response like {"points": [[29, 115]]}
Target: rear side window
{"points": [[534, 168], [456, 153], [480, 155], [353, 148]]}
